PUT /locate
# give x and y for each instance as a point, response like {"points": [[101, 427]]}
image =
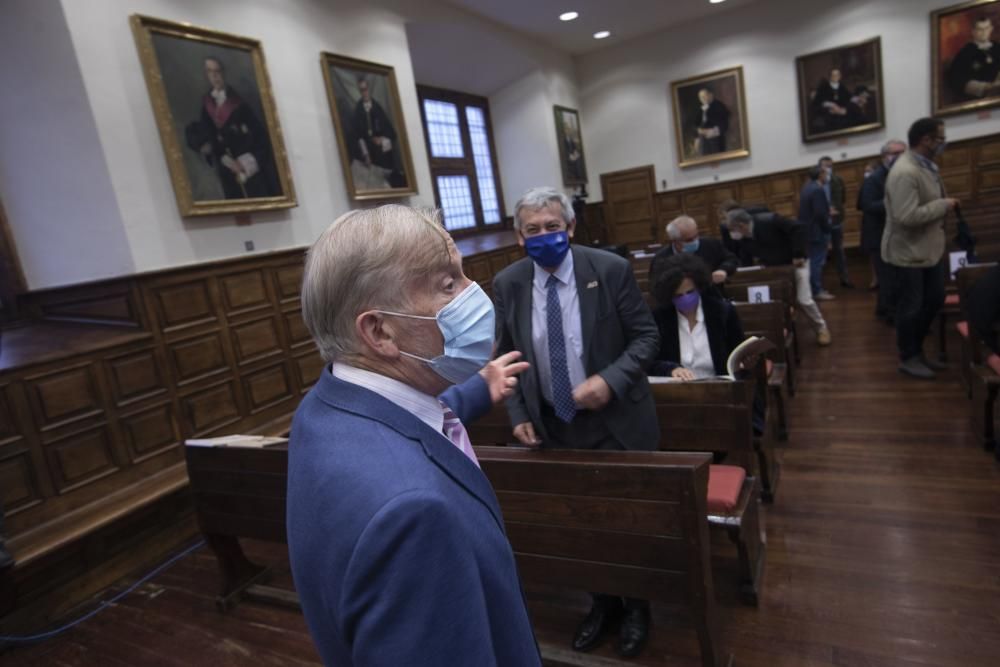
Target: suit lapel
{"points": [[524, 284], [365, 403], [587, 287], [714, 327]]}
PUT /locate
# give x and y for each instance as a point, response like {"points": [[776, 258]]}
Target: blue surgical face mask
{"points": [[691, 246], [467, 325], [548, 250]]}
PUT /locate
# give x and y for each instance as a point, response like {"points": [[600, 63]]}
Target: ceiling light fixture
{"points": [[602, 34], [715, 2], [568, 16]]}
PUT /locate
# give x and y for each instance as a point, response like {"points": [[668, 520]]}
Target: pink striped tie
{"points": [[455, 432]]}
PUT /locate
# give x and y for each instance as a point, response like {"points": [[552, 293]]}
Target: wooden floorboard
{"points": [[883, 546]]}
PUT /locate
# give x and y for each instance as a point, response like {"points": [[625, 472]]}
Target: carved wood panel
{"points": [[150, 432], [244, 292], [81, 458], [19, 488], [195, 358], [253, 341], [182, 306], [308, 368], [136, 376], [65, 395], [288, 281], [211, 409], [295, 329], [629, 205], [268, 387]]}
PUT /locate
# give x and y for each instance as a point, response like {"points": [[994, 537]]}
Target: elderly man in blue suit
{"points": [[397, 544]]}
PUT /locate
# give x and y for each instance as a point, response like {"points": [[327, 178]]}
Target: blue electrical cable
{"points": [[52, 633]]}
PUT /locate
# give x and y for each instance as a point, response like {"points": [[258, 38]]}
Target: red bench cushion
{"points": [[769, 366], [993, 361], [951, 300], [724, 486], [963, 328]]}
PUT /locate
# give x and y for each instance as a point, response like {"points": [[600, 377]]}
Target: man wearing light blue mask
{"points": [[580, 319], [682, 232], [391, 523]]}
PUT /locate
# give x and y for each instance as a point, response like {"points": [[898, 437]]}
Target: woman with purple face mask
{"points": [[698, 329]]}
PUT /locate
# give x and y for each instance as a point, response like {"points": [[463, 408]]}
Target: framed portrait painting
{"points": [[569, 137], [368, 122], [215, 113], [710, 118], [840, 90], [965, 57]]}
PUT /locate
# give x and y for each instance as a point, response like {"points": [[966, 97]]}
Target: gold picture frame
{"points": [[370, 128], [715, 134], [956, 60], [222, 157], [856, 103], [569, 136]]}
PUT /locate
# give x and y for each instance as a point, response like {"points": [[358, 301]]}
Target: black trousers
{"points": [[886, 275], [920, 295], [587, 431]]}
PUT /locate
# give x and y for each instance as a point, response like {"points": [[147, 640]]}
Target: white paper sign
{"points": [[958, 260], [759, 294]]}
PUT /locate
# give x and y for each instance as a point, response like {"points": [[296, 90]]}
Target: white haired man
{"points": [[579, 317], [684, 237], [396, 539]]}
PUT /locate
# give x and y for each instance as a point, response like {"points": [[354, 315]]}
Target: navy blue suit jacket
{"points": [[814, 212], [397, 543]]}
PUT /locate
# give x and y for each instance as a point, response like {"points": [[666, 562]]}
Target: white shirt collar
{"points": [[699, 317], [564, 273], [219, 96], [423, 406]]}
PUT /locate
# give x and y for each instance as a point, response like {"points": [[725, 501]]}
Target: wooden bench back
{"points": [[784, 273], [240, 492], [966, 278], [708, 416], [781, 291], [769, 321], [623, 523]]}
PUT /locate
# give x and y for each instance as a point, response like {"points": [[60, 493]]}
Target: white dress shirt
{"points": [[696, 353], [423, 406], [569, 303]]}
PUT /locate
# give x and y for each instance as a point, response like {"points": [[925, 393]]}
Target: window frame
{"points": [[464, 166]]}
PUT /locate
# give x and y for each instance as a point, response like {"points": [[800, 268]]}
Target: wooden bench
{"points": [[982, 382], [715, 416], [622, 523], [626, 523], [737, 283], [767, 320]]}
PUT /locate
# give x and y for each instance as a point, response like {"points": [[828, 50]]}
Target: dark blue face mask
{"points": [[548, 250]]}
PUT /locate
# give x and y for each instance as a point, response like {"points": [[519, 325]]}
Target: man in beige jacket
{"points": [[913, 242]]}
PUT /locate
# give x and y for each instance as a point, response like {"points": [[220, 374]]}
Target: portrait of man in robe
{"points": [[965, 57], [710, 118]]}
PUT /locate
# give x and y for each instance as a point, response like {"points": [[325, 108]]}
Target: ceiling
{"points": [[626, 19]]}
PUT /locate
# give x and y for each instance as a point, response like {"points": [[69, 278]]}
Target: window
{"points": [[462, 159]]}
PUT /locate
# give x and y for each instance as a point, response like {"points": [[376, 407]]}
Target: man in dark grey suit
{"points": [[579, 317]]}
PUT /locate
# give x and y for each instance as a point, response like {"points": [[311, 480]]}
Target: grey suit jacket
{"points": [[620, 340]]}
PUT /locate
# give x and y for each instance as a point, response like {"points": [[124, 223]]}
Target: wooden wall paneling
{"points": [[781, 186], [151, 431], [255, 340], [308, 366], [196, 358], [64, 395], [988, 180], [82, 457], [270, 387], [136, 375], [594, 220], [182, 305], [514, 254], [752, 192], [287, 280], [20, 482], [115, 303], [295, 329], [244, 292], [209, 410], [629, 207]]}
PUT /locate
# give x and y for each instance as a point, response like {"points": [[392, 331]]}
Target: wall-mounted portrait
{"points": [[710, 118], [569, 136], [965, 57], [212, 100], [840, 90], [368, 122]]}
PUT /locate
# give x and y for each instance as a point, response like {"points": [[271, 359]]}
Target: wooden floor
{"points": [[883, 546]]}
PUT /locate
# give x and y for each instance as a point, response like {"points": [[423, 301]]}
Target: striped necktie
{"points": [[562, 391], [454, 431]]}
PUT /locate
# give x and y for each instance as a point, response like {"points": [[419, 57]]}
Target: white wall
{"points": [[53, 177], [625, 91], [140, 206], [522, 77]]}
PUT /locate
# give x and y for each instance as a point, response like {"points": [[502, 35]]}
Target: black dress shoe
{"points": [[603, 614], [847, 284], [634, 632]]}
